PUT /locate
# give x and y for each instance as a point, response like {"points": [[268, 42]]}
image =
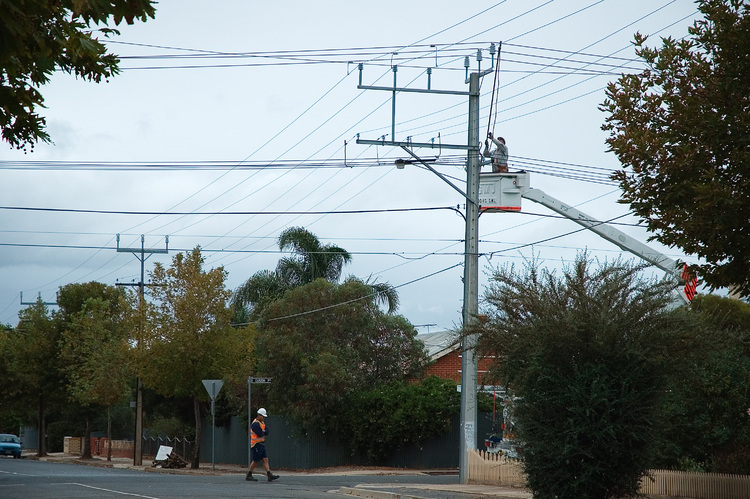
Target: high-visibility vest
{"points": [[255, 439]]}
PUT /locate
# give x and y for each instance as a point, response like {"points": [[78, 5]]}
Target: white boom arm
{"points": [[609, 233], [502, 192]]}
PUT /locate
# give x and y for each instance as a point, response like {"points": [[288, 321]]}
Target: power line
{"points": [[212, 213], [321, 309]]}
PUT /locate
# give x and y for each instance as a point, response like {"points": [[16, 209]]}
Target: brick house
{"points": [[444, 350]]}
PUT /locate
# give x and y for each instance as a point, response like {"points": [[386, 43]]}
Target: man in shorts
{"points": [[258, 432]]}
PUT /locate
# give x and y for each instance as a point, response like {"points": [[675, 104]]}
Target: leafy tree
{"points": [[11, 412], [583, 351], [93, 314], [681, 127], [425, 408], [322, 341], [706, 425], [38, 37], [35, 363], [96, 353], [192, 337]]}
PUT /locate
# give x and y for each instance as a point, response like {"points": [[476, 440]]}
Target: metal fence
{"points": [[289, 449], [181, 446]]}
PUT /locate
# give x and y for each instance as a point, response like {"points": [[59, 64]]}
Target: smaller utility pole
{"points": [[140, 254]]}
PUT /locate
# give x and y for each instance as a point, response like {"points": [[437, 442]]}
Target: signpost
{"points": [[250, 381], [213, 387]]}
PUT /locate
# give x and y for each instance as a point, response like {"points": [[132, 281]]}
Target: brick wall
{"points": [[449, 367], [72, 445], [120, 448]]}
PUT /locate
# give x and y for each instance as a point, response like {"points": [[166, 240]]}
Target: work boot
{"points": [[271, 476], [249, 477]]}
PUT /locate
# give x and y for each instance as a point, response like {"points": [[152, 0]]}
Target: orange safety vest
{"points": [[255, 439]]}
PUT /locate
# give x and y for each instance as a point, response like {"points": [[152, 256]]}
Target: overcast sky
{"points": [[244, 106]]}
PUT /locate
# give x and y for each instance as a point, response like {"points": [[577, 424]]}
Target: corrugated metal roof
{"points": [[440, 343]]}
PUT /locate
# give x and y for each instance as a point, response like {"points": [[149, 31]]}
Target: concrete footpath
{"points": [[372, 491]]}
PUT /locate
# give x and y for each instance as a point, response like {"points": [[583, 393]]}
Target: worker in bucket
{"points": [[499, 155], [258, 432]]}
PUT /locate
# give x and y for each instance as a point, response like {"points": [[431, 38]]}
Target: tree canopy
{"points": [[681, 129], [35, 364], [95, 321], [583, 352], [309, 261], [706, 426], [323, 340], [191, 334], [38, 37]]}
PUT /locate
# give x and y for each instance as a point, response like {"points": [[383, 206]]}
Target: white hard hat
{"points": [[262, 412]]}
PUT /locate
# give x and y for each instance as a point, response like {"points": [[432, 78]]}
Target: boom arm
{"points": [[502, 192], [609, 233], [615, 236]]}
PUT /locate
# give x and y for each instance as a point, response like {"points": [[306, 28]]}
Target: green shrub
{"points": [[373, 423]]}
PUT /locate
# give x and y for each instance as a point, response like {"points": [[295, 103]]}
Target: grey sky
{"points": [[290, 107]]}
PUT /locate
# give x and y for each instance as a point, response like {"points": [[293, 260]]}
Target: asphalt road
{"points": [[30, 479]]}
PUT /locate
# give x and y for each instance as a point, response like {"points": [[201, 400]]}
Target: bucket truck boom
{"points": [[503, 192]]}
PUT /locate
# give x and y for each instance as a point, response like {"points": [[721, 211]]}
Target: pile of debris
{"points": [[171, 462]]}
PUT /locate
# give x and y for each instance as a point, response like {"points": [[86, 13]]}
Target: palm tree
{"points": [[310, 260], [382, 293]]}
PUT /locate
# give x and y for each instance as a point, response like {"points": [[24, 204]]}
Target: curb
{"points": [[374, 494]]}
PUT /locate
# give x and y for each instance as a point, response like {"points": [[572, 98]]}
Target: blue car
{"points": [[10, 445]]}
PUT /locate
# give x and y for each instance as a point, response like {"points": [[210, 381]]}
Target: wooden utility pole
{"points": [[140, 254]]}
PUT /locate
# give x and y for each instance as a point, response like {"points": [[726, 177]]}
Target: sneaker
{"points": [[249, 477]]}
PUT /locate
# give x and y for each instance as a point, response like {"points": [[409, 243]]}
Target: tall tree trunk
{"points": [[109, 433], [41, 449], [195, 461], [86, 447]]}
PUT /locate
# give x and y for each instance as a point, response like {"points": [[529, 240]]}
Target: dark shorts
{"points": [[259, 452]]}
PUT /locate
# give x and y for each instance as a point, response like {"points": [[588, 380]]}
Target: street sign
{"points": [[260, 380], [213, 387]]}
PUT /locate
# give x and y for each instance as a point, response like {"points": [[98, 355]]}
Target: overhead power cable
{"points": [[321, 309], [212, 213]]}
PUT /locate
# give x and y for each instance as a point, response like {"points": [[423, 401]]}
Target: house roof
{"points": [[440, 343]]}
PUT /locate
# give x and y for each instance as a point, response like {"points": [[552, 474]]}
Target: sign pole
{"points": [[250, 381], [213, 386], [249, 421]]}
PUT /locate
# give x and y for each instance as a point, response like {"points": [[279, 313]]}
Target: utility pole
{"points": [[140, 254], [471, 247], [468, 436]]}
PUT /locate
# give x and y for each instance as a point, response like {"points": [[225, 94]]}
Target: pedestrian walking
{"points": [[258, 432]]}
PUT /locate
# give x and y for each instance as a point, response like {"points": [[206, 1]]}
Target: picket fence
{"points": [[696, 485], [490, 468]]}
